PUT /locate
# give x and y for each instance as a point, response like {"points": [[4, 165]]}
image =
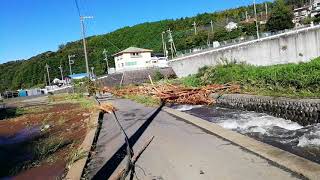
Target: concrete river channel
{"points": [[303, 141]]}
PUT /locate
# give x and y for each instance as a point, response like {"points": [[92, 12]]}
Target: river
{"points": [[281, 133]]}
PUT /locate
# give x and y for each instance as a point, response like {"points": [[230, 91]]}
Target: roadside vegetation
{"points": [[145, 100], [289, 80]]}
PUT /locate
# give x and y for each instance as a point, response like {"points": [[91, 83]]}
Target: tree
{"points": [[281, 17]]}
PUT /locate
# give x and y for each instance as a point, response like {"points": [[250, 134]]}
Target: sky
{"points": [[30, 27]]}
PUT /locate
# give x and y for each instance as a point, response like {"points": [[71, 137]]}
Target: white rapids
{"points": [[277, 131]]}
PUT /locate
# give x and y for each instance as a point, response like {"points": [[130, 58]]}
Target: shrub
{"points": [[158, 76]]}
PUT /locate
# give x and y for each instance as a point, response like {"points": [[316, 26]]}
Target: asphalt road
{"points": [[178, 151]]}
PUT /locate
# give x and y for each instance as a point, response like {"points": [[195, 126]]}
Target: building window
{"points": [[135, 55], [122, 64], [131, 63]]}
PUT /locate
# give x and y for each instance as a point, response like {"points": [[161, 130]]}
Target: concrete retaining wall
{"points": [[291, 47], [303, 111]]}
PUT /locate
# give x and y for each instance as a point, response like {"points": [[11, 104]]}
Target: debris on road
{"points": [[107, 108], [176, 93]]}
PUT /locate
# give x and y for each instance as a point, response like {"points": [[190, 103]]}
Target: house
{"points": [[231, 26], [134, 58], [315, 10], [301, 13]]}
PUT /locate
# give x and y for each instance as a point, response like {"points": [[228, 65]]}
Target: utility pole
{"points": [[211, 23], [195, 27], [47, 67], [45, 79], [255, 14], [164, 44], [247, 16], [82, 18], [208, 40], [105, 53], [61, 72], [92, 68], [172, 46], [71, 62], [266, 6]]}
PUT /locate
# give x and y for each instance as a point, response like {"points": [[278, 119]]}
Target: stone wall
{"points": [[292, 47], [302, 111]]}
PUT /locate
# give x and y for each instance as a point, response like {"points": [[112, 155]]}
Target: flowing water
{"points": [[284, 134]]}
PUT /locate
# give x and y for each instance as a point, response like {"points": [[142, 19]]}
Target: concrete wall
{"points": [[303, 111], [291, 47]]}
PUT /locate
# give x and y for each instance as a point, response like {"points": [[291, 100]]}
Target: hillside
{"points": [[28, 73]]}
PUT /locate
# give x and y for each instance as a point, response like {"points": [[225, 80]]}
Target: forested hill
{"points": [[28, 73]]}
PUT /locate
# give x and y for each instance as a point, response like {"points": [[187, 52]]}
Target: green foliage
{"points": [[289, 79], [77, 98], [191, 81], [281, 17], [146, 100], [158, 76]]}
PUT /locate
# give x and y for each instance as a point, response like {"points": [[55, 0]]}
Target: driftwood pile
{"points": [[177, 94]]}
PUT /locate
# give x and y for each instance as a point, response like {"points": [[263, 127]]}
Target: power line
{"points": [[112, 44], [78, 9]]}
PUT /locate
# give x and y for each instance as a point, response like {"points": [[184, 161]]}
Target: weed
{"points": [[158, 76], [146, 100], [46, 147], [191, 81], [76, 155], [278, 80], [61, 121], [74, 98]]}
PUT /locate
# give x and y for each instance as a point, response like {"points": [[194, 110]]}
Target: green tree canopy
{"points": [[281, 17]]}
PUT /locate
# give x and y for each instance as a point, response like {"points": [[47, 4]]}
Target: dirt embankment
{"points": [[42, 140]]}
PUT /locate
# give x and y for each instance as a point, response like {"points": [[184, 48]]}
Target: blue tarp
{"points": [[78, 76], [23, 93]]}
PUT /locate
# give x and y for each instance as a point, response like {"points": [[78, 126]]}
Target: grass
{"points": [[76, 155], [85, 102], [44, 148], [289, 80], [145, 100]]}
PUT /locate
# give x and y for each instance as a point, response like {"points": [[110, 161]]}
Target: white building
{"points": [[134, 58], [231, 26], [315, 11], [301, 13]]}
